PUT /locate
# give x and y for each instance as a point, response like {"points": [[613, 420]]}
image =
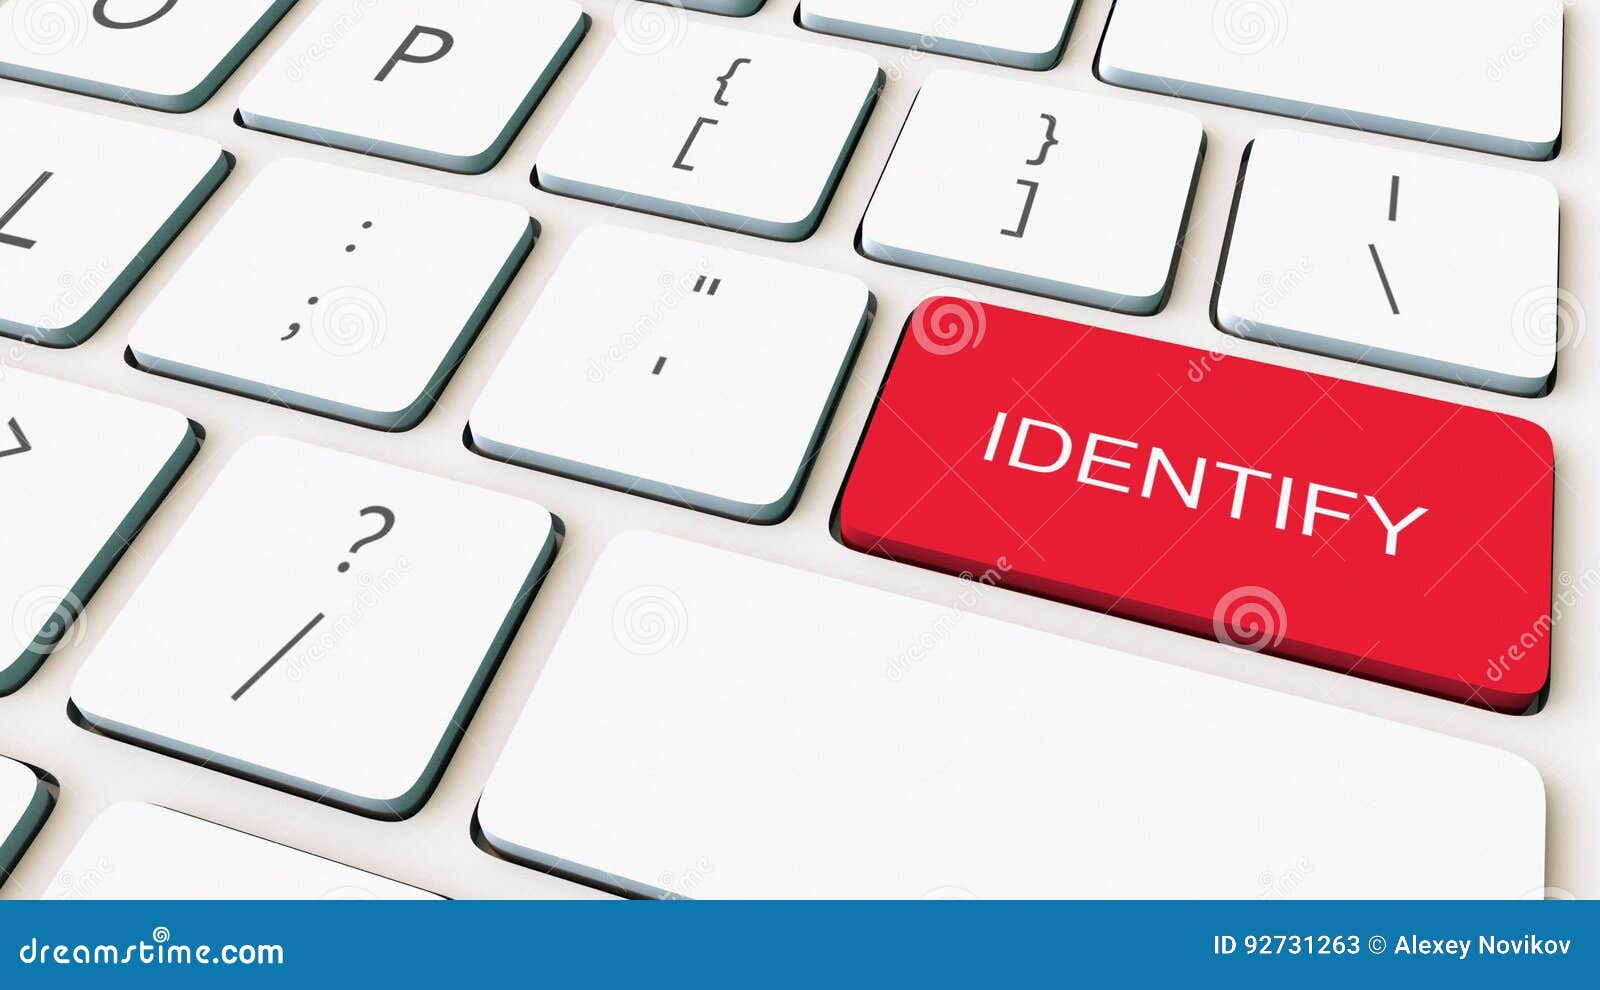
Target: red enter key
{"points": [[1381, 534]]}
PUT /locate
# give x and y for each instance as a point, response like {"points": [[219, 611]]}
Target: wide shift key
{"points": [[1385, 535]]}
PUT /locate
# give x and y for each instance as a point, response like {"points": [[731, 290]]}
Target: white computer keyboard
{"points": [[380, 397]]}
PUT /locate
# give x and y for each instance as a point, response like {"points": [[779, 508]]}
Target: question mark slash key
{"points": [[315, 627]]}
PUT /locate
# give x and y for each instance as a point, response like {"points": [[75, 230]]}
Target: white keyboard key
{"points": [[25, 802], [1039, 189], [1479, 74], [143, 852], [317, 626], [1022, 35], [160, 54], [443, 83], [335, 291], [720, 126], [916, 747], [1406, 261], [688, 373], [80, 472], [87, 204]]}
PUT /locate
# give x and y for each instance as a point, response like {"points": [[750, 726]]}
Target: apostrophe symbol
{"points": [[386, 516]]}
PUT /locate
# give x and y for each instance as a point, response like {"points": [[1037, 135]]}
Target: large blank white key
{"points": [[1407, 261], [87, 204], [916, 748], [143, 852], [1061, 194], [25, 803], [688, 373], [80, 472], [160, 54], [316, 625], [1480, 74], [716, 126], [1022, 35], [445, 83], [339, 292]]}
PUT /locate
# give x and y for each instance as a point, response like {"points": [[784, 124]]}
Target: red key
{"points": [[1386, 535]]}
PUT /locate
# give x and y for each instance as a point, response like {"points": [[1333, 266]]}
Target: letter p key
{"points": [[404, 53]]}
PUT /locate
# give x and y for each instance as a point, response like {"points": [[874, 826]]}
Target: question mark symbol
{"points": [[388, 523]]}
